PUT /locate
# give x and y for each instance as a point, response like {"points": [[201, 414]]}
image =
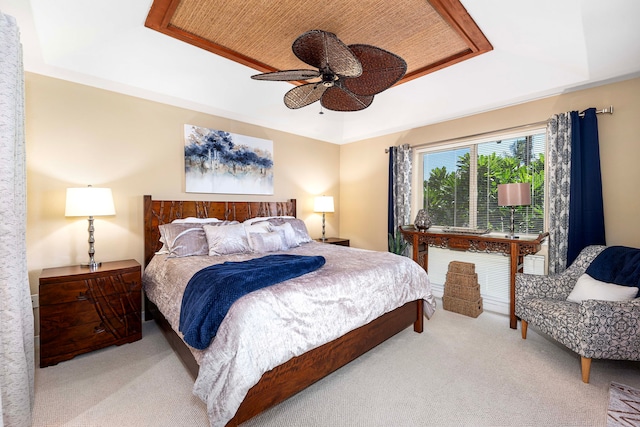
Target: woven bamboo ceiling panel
{"points": [[428, 35]]}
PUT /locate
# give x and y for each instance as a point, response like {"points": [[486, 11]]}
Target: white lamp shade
{"points": [[514, 194], [323, 204], [89, 201]]}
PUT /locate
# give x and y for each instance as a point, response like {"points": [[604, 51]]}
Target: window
{"points": [[460, 189], [460, 183]]}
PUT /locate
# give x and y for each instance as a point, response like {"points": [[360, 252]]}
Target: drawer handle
{"points": [[84, 297], [99, 330]]}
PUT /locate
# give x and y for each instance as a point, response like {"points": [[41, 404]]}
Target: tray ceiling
{"points": [[533, 54], [428, 35]]}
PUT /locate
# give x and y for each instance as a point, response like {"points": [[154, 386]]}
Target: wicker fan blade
{"points": [[288, 75], [324, 50], [337, 98], [380, 70], [301, 96]]}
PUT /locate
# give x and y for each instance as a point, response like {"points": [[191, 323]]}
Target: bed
{"points": [[298, 366]]}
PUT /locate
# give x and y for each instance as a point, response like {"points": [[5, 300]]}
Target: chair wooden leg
{"points": [[586, 368], [524, 324]]}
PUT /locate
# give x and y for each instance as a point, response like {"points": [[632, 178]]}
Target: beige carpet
{"points": [[624, 406], [460, 372]]}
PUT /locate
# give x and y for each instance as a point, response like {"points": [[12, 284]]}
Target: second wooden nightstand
{"points": [[83, 310], [334, 241]]}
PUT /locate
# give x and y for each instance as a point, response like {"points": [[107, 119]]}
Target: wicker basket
{"points": [[457, 305], [465, 292], [461, 279], [462, 267]]}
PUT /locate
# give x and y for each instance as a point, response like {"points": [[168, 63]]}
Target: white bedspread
{"points": [[270, 326]]}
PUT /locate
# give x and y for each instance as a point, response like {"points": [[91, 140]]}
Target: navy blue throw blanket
{"points": [[212, 290], [617, 264]]}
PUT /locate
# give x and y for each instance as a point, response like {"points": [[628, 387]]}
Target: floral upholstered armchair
{"points": [[587, 322]]}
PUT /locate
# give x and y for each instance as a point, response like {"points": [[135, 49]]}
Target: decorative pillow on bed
{"points": [[287, 233], [589, 288], [186, 239], [267, 242], [299, 228], [183, 240], [231, 239], [257, 228]]}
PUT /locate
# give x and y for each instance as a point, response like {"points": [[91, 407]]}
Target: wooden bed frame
{"points": [[300, 372]]}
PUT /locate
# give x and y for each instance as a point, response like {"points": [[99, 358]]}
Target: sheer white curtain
{"points": [[16, 315]]}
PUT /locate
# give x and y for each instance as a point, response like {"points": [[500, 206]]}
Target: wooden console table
{"points": [[491, 242]]}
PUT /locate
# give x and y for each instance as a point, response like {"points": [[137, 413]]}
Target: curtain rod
{"points": [[608, 110]]}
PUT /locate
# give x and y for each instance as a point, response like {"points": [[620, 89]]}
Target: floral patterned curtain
{"points": [[576, 214], [559, 173], [400, 160], [16, 315]]}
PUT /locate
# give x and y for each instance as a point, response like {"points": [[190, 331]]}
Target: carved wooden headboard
{"points": [[158, 212]]}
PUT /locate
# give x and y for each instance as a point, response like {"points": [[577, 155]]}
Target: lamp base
{"points": [[93, 266]]}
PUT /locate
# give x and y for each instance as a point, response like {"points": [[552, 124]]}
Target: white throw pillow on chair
{"points": [[589, 288]]}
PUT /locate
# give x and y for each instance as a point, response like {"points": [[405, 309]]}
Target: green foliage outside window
{"points": [[447, 188]]}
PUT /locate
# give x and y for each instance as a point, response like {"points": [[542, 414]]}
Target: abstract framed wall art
{"points": [[216, 161]]}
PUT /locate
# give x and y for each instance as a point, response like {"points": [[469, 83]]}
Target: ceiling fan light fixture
{"points": [[350, 75]]}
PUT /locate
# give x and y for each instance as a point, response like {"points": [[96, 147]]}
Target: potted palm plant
{"points": [[397, 244]]}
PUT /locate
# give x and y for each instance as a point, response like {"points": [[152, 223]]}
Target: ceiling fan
{"points": [[349, 76]]}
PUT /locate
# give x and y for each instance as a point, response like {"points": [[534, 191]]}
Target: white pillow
{"points": [[230, 239], [589, 288], [194, 220], [266, 242]]}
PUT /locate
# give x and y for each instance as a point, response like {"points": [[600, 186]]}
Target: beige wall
{"points": [[78, 135], [364, 164]]}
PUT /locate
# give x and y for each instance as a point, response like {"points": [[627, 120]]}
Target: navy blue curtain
{"points": [[390, 196], [586, 212]]}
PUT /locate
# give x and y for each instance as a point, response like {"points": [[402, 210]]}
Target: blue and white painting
{"points": [[216, 161]]}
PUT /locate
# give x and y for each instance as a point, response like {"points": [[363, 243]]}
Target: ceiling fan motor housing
{"points": [[328, 79]]}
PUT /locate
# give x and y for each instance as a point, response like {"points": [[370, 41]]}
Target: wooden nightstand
{"points": [[83, 310], [334, 241]]}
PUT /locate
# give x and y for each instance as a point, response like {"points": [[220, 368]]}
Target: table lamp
{"points": [[90, 201], [323, 204], [513, 195]]}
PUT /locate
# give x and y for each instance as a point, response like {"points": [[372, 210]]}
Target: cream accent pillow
{"points": [[230, 239], [589, 288]]}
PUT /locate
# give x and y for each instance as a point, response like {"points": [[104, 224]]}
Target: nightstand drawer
{"points": [[72, 341], [61, 316], [80, 290]]}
